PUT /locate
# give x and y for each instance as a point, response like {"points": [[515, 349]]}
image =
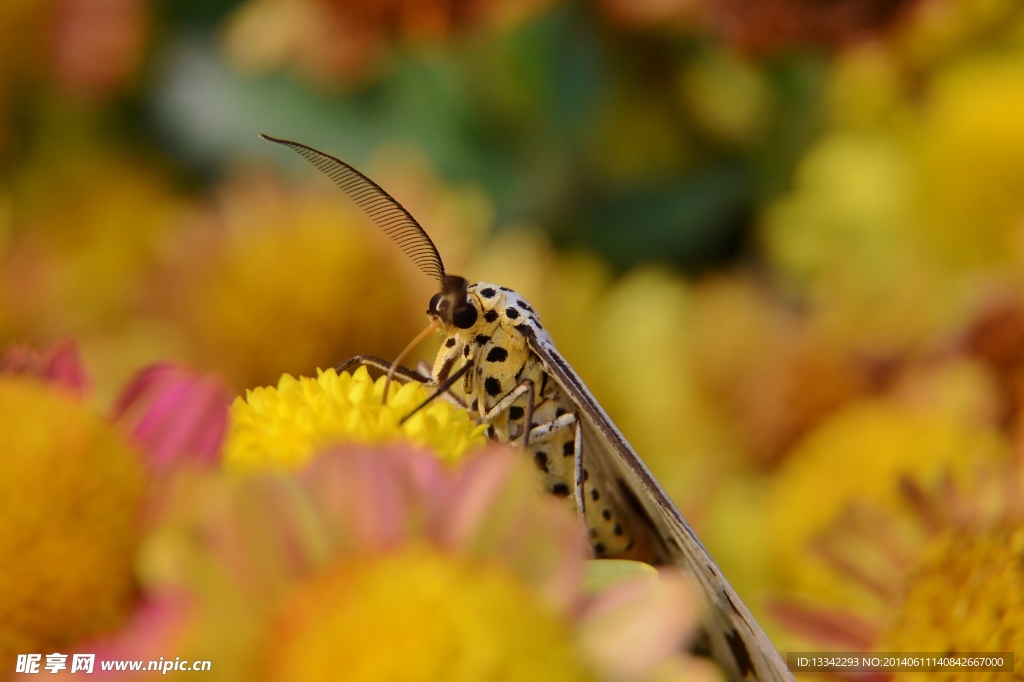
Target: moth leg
{"points": [[523, 387], [401, 372], [542, 431], [384, 366], [581, 498], [442, 389]]}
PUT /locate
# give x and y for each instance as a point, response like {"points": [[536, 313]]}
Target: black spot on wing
{"points": [[541, 460], [497, 354], [524, 305], [739, 652], [511, 313], [465, 351], [607, 514], [560, 490], [506, 289], [599, 549], [487, 293], [491, 315], [492, 386], [450, 342], [595, 494], [525, 330], [481, 339], [515, 412], [559, 411], [569, 448]]}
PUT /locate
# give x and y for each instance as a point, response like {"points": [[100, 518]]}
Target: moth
{"points": [[499, 362]]}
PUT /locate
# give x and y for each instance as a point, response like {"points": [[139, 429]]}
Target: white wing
{"points": [[735, 640]]}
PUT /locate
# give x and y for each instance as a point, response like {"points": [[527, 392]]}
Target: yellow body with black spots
{"points": [[502, 360]]}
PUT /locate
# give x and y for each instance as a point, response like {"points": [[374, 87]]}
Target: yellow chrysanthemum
{"points": [[859, 456], [281, 428], [69, 493], [301, 261], [457, 619], [966, 594]]}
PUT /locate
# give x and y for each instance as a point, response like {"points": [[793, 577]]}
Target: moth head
{"points": [[453, 305]]}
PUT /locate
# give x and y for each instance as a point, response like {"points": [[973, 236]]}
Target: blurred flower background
{"points": [[782, 241]]}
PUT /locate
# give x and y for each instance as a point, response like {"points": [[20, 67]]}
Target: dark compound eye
{"points": [[465, 317], [432, 308]]}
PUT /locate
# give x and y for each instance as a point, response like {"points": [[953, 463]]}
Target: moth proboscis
{"points": [[498, 362]]}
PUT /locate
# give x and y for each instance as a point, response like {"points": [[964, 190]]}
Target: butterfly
{"points": [[499, 362]]}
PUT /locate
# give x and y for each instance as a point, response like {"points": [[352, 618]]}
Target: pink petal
{"points": [[634, 626], [269, 535], [59, 365], [175, 414], [157, 628], [369, 494], [496, 511], [67, 369], [476, 489]]}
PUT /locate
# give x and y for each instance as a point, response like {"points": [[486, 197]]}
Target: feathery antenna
{"points": [[380, 206]]}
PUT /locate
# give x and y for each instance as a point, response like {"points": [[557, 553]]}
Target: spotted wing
{"points": [[736, 641], [382, 208]]}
